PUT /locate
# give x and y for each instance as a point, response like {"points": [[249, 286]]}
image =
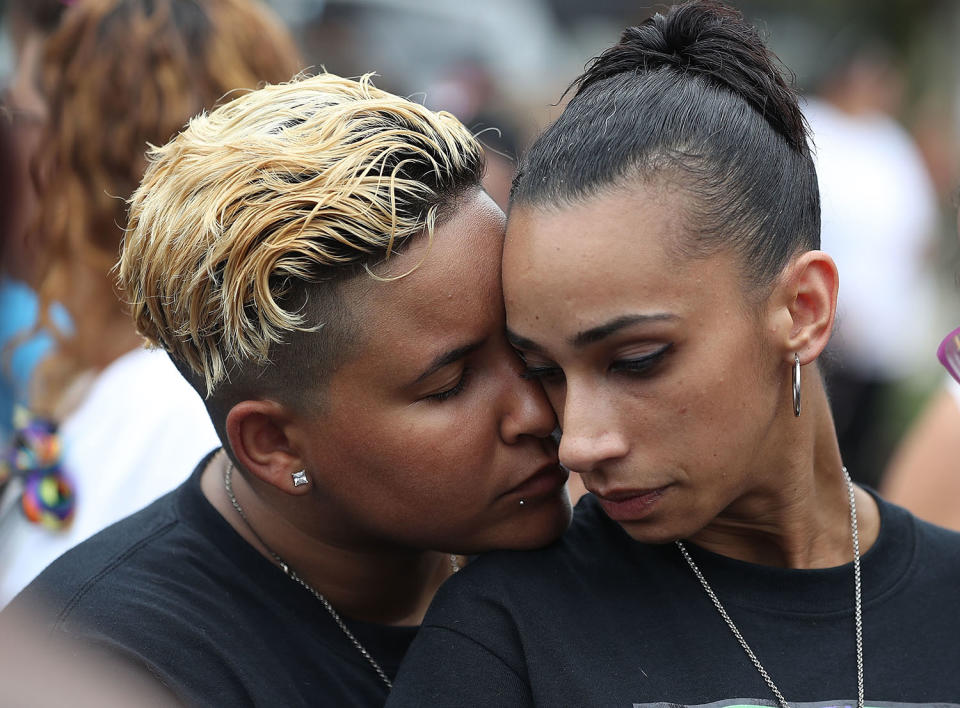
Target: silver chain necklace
{"points": [[292, 574], [858, 616]]}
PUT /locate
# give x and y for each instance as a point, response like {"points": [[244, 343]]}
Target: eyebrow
{"points": [[448, 358], [594, 334]]}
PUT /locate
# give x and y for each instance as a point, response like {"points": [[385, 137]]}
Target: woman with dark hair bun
{"points": [[663, 281]]}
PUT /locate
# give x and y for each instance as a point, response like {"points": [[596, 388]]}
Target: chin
{"points": [[541, 524], [537, 524], [547, 532], [654, 534]]}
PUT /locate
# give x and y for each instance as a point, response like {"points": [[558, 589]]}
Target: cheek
{"points": [[725, 419], [427, 452], [700, 410]]}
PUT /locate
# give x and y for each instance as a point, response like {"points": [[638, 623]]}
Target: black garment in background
{"points": [[864, 422], [175, 589], [598, 619]]}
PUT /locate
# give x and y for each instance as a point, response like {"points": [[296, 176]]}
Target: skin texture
{"points": [[688, 412], [924, 475], [399, 463]]}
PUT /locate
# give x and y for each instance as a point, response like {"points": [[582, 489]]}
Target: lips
{"points": [[545, 482], [630, 504]]}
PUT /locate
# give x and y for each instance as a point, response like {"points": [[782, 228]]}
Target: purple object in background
{"points": [[949, 353]]}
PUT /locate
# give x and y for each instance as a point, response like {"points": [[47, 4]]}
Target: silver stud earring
{"points": [[522, 502], [796, 384], [300, 478]]}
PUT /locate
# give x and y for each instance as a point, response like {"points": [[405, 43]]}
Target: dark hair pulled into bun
{"points": [[696, 92], [712, 40]]}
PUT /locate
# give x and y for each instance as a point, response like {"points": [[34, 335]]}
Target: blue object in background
{"points": [[18, 313]]}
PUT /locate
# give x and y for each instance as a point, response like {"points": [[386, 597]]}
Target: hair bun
{"points": [[712, 40]]}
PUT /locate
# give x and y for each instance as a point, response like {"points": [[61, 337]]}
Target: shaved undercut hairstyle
{"points": [[248, 225]]}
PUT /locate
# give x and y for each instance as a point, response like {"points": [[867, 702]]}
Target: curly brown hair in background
{"points": [[119, 75]]}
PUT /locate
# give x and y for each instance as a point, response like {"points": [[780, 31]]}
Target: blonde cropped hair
{"points": [[242, 218]]}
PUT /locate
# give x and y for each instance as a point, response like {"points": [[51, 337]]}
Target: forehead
{"points": [[451, 288], [618, 251]]}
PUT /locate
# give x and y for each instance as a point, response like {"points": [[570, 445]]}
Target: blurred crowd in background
{"points": [[880, 80]]}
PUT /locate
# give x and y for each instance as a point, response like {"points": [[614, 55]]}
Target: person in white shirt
{"points": [[117, 75], [878, 216]]}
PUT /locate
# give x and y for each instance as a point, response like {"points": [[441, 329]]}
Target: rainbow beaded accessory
{"points": [[48, 496]]}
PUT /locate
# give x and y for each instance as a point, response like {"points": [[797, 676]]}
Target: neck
{"points": [[385, 585], [797, 513]]}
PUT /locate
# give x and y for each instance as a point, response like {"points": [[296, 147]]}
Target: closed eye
{"points": [[640, 365], [542, 373], [454, 390]]}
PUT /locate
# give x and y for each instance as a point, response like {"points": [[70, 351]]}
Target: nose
{"points": [[590, 435], [526, 410]]}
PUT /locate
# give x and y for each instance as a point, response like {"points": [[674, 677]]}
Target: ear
{"points": [[805, 306], [258, 431]]}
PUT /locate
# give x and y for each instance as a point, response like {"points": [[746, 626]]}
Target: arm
{"points": [[924, 475]]}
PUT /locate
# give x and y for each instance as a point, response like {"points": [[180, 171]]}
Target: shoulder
{"points": [[141, 597], [144, 590], [146, 567], [96, 575], [589, 527], [936, 543], [933, 551], [511, 618], [591, 548]]}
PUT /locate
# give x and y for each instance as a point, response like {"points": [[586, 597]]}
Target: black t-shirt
{"points": [[598, 619], [175, 589]]}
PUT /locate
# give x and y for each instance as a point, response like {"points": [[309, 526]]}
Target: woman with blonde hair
{"points": [[116, 76], [321, 263]]}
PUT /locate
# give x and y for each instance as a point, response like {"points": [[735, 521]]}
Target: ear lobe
{"points": [[809, 292], [257, 431]]}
